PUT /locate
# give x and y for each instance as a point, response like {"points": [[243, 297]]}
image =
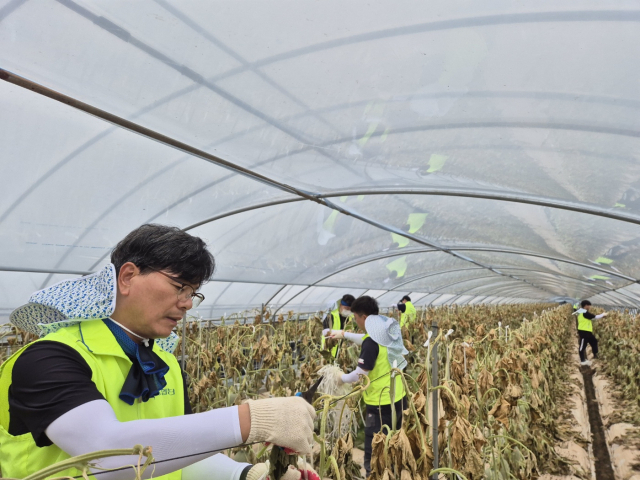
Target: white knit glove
{"points": [[300, 473], [258, 472], [336, 334], [283, 421]]}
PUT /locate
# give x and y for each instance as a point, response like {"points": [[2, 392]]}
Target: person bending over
{"points": [[381, 347]]}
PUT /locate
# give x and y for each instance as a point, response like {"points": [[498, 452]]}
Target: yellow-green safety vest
{"points": [[379, 392], [584, 324], [409, 315], [336, 325], [19, 455]]}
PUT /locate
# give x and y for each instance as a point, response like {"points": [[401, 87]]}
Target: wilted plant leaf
{"points": [[500, 411], [377, 455], [400, 452], [485, 381], [461, 438], [512, 393]]}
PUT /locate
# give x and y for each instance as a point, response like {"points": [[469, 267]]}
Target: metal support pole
{"points": [[183, 347], [434, 397]]}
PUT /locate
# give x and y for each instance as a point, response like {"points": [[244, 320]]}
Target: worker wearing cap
{"points": [[336, 319], [381, 348], [408, 314], [585, 331], [105, 378]]}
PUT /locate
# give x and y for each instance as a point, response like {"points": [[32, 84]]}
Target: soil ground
{"points": [[603, 467]]}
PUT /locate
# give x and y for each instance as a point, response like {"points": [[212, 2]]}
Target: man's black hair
{"points": [[159, 247], [347, 300], [365, 306], [584, 303], [402, 307], [406, 297]]}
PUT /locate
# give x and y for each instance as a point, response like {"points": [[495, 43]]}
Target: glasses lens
{"points": [[197, 300], [185, 293]]}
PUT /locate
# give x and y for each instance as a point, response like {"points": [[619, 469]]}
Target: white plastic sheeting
{"points": [[463, 152]]}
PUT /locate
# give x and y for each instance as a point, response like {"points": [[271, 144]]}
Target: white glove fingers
{"points": [[284, 421], [312, 411]]}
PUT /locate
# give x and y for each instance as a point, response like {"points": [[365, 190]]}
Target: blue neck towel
{"points": [[146, 376]]}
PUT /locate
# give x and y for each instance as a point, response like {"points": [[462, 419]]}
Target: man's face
{"points": [[345, 311], [587, 307], [360, 318], [154, 308]]}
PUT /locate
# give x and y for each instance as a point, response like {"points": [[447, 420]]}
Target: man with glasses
{"points": [[99, 380]]}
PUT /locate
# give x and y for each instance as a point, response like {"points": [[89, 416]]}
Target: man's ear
{"points": [[127, 272]]}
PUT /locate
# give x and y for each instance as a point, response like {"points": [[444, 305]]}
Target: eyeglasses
{"points": [[185, 292]]}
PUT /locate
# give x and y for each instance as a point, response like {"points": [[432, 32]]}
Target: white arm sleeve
{"points": [[354, 376], [94, 426], [354, 337], [598, 317], [218, 467]]}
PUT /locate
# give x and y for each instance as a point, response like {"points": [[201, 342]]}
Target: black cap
{"points": [[347, 300]]}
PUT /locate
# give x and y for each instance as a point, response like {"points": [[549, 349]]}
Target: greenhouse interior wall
{"points": [[462, 153]]}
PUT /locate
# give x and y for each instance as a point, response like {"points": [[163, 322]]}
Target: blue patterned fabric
{"points": [[84, 298], [66, 303], [168, 344], [146, 376]]}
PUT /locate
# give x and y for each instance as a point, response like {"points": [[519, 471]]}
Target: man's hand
{"points": [[336, 334], [283, 421], [300, 473]]}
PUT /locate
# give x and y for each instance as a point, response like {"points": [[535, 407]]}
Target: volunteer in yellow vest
{"points": [[409, 313], [381, 347], [336, 319], [585, 331], [105, 378]]}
